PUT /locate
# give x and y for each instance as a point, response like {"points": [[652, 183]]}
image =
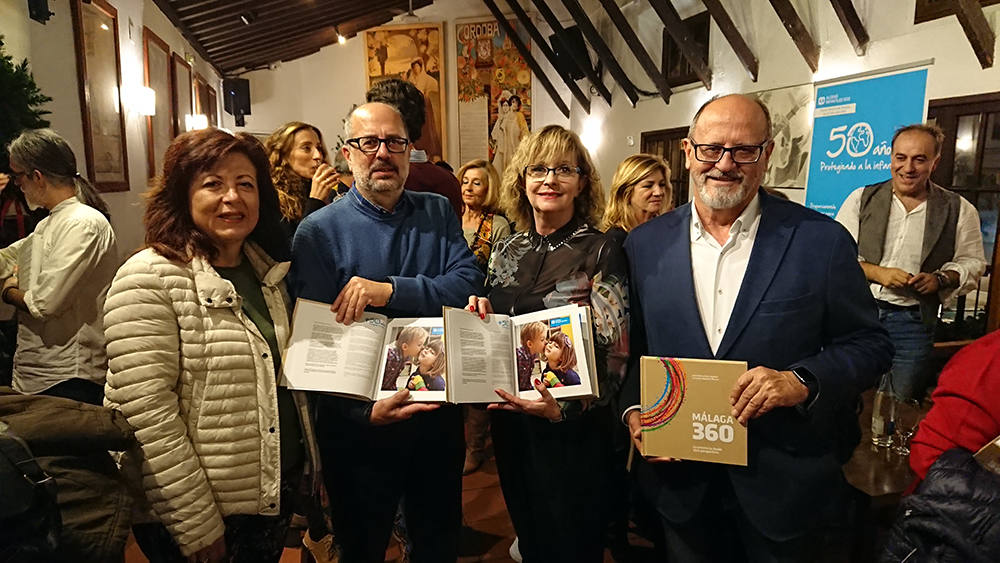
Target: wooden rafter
{"points": [[851, 21], [977, 29], [797, 30], [633, 42], [168, 10], [733, 35], [684, 39], [542, 45], [602, 50], [563, 36], [528, 57]]}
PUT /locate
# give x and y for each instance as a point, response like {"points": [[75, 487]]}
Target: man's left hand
{"points": [[545, 406], [924, 283], [358, 294], [762, 389], [9, 282]]}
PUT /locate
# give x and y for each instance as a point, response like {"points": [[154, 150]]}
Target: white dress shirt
{"points": [[904, 238], [718, 269], [64, 268]]}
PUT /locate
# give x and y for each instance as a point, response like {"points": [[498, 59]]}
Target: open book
{"points": [[459, 358]]}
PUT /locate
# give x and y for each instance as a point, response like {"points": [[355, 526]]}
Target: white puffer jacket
{"points": [[194, 377]]}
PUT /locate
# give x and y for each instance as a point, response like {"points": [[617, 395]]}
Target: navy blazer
{"points": [[804, 302]]}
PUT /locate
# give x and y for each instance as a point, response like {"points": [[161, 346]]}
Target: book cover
{"points": [[686, 412]]}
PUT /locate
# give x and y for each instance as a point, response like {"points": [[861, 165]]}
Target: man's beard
{"points": [[381, 185], [722, 198]]}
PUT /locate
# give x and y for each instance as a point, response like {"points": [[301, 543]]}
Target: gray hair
{"points": [[340, 163], [349, 122], [47, 152], [760, 104]]}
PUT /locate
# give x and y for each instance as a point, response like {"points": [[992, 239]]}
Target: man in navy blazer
{"points": [[741, 275]]}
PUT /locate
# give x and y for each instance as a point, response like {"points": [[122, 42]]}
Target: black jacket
{"points": [[953, 516]]}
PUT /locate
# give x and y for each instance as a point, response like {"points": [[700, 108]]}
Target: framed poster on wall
{"points": [[213, 108], [159, 126], [494, 92], [95, 31], [180, 94], [413, 53]]}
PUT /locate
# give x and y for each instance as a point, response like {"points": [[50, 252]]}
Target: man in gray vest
{"points": [[919, 245]]}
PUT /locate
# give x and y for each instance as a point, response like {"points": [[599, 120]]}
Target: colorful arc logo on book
{"points": [[663, 410]]}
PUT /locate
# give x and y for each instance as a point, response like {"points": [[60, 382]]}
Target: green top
{"points": [[244, 279]]}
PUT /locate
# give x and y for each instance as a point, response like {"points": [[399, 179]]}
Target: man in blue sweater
{"points": [[401, 254]]}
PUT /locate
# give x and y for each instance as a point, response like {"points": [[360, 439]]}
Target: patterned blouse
{"points": [[576, 264]]}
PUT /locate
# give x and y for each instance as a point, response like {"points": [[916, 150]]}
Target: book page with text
{"points": [[479, 353], [324, 355]]}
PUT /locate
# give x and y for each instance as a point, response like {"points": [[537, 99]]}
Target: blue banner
{"points": [[853, 124]]}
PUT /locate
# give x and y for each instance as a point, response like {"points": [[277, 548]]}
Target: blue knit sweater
{"points": [[418, 247]]}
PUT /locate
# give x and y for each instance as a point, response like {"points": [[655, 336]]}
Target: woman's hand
{"points": [[215, 553], [480, 305], [324, 182], [4, 180], [544, 406]]}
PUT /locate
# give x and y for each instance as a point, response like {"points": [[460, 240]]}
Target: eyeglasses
{"points": [[16, 176], [540, 171], [370, 145], [742, 154]]}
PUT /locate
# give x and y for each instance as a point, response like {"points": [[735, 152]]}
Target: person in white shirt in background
{"points": [[920, 246], [58, 276]]}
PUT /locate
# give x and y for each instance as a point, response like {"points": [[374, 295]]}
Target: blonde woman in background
{"points": [[303, 178], [640, 191], [483, 226]]}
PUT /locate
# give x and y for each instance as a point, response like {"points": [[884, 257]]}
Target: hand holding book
{"points": [[545, 406], [397, 408]]}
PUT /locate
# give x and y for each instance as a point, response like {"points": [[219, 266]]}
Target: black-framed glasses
{"points": [[16, 176], [742, 154], [540, 171], [370, 145]]}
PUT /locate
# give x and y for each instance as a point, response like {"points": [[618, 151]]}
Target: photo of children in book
{"points": [[415, 360], [546, 352]]}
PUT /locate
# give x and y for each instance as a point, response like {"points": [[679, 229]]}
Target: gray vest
{"points": [[938, 245]]}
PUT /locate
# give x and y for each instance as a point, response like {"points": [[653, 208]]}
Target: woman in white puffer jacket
{"points": [[196, 324]]}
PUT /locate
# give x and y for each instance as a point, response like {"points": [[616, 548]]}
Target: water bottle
{"points": [[883, 414]]}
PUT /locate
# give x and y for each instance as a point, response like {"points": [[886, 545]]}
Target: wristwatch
{"points": [[806, 378], [944, 280]]}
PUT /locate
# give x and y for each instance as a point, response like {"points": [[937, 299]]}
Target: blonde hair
{"points": [[550, 143], [631, 171], [532, 331], [437, 368], [492, 182], [409, 334], [279, 145]]}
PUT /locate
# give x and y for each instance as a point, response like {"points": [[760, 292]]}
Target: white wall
{"points": [[321, 88], [50, 52]]}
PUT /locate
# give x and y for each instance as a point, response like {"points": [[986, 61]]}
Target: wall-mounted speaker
{"points": [[569, 52], [38, 10], [236, 96]]}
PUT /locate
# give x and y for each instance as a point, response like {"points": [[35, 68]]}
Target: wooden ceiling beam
{"points": [[733, 35], [278, 32], [542, 45], [357, 25], [585, 65], [601, 48], [196, 10], [797, 30], [248, 58], [191, 37], [977, 29], [526, 54], [279, 27], [849, 18], [684, 39], [633, 42]]}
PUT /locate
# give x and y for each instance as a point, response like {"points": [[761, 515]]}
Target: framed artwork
{"points": [[494, 92], [159, 127], [201, 103], [95, 31], [676, 67], [791, 128], [413, 53], [213, 107], [180, 93]]}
